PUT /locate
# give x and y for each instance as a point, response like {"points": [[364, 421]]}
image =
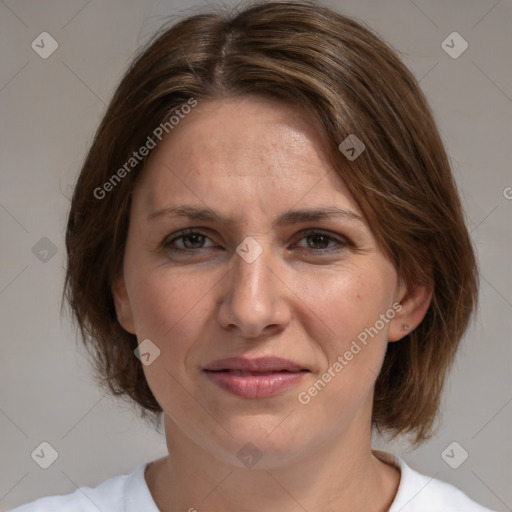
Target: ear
{"points": [[122, 304], [415, 301]]}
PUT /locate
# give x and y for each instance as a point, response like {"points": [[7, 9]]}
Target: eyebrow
{"points": [[291, 217]]}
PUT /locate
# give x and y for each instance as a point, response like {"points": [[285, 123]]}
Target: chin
{"points": [[261, 442]]}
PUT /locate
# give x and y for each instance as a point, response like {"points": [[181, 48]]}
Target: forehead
{"points": [[238, 148]]}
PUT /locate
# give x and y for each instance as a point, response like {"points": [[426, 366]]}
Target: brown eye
{"points": [[196, 241], [321, 242], [186, 241]]}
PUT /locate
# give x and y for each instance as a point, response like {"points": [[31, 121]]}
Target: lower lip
{"points": [[255, 386]]}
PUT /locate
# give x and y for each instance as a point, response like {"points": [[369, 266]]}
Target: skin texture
{"points": [[251, 160]]}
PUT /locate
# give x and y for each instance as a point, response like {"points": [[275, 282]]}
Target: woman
{"points": [[266, 247]]}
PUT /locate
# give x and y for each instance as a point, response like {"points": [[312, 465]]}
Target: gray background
{"points": [[49, 111]]}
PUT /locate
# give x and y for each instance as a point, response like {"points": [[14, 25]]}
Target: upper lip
{"points": [[259, 364]]}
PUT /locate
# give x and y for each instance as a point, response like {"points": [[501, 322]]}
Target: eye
{"points": [[188, 240], [318, 241], [192, 240]]}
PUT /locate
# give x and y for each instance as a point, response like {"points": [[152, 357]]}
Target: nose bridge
{"points": [[253, 299], [252, 272]]}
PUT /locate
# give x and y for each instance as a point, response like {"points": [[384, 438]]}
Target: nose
{"points": [[255, 300]]}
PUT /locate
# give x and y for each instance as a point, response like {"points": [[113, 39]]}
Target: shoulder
{"points": [[421, 493], [117, 494]]}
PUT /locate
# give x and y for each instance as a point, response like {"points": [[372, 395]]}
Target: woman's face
{"points": [[245, 243]]}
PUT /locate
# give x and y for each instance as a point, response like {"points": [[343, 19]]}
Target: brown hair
{"points": [[351, 82]]}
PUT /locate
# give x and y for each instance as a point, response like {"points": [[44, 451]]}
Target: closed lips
{"points": [[258, 366], [255, 378], [244, 373]]}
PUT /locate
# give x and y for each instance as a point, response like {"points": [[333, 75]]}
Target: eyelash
{"points": [[344, 243]]}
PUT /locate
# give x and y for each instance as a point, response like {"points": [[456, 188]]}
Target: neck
{"points": [[340, 475]]}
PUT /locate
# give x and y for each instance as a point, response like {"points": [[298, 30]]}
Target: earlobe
{"points": [[414, 300], [122, 304]]}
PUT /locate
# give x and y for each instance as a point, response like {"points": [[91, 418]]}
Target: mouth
{"points": [[244, 373], [255, 378], [268, 364]]}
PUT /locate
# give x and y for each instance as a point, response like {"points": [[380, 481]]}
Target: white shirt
{"points": [[130, 493]]}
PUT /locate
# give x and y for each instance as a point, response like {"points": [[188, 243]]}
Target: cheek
{"points": [[357, 309], [166, 306], [343, 304], [169, 309], [350, 334]]}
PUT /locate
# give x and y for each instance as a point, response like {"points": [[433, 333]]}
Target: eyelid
{"points": [[342, 241], [333, 236], [166, 242]]}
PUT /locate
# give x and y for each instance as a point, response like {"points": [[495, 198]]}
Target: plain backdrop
{"points": [[49, 110]]}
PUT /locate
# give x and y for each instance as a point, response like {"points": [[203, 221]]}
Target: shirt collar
{"points": [[137, 494]]}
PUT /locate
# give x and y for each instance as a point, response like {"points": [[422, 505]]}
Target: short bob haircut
{"points": [[350, 82]]}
